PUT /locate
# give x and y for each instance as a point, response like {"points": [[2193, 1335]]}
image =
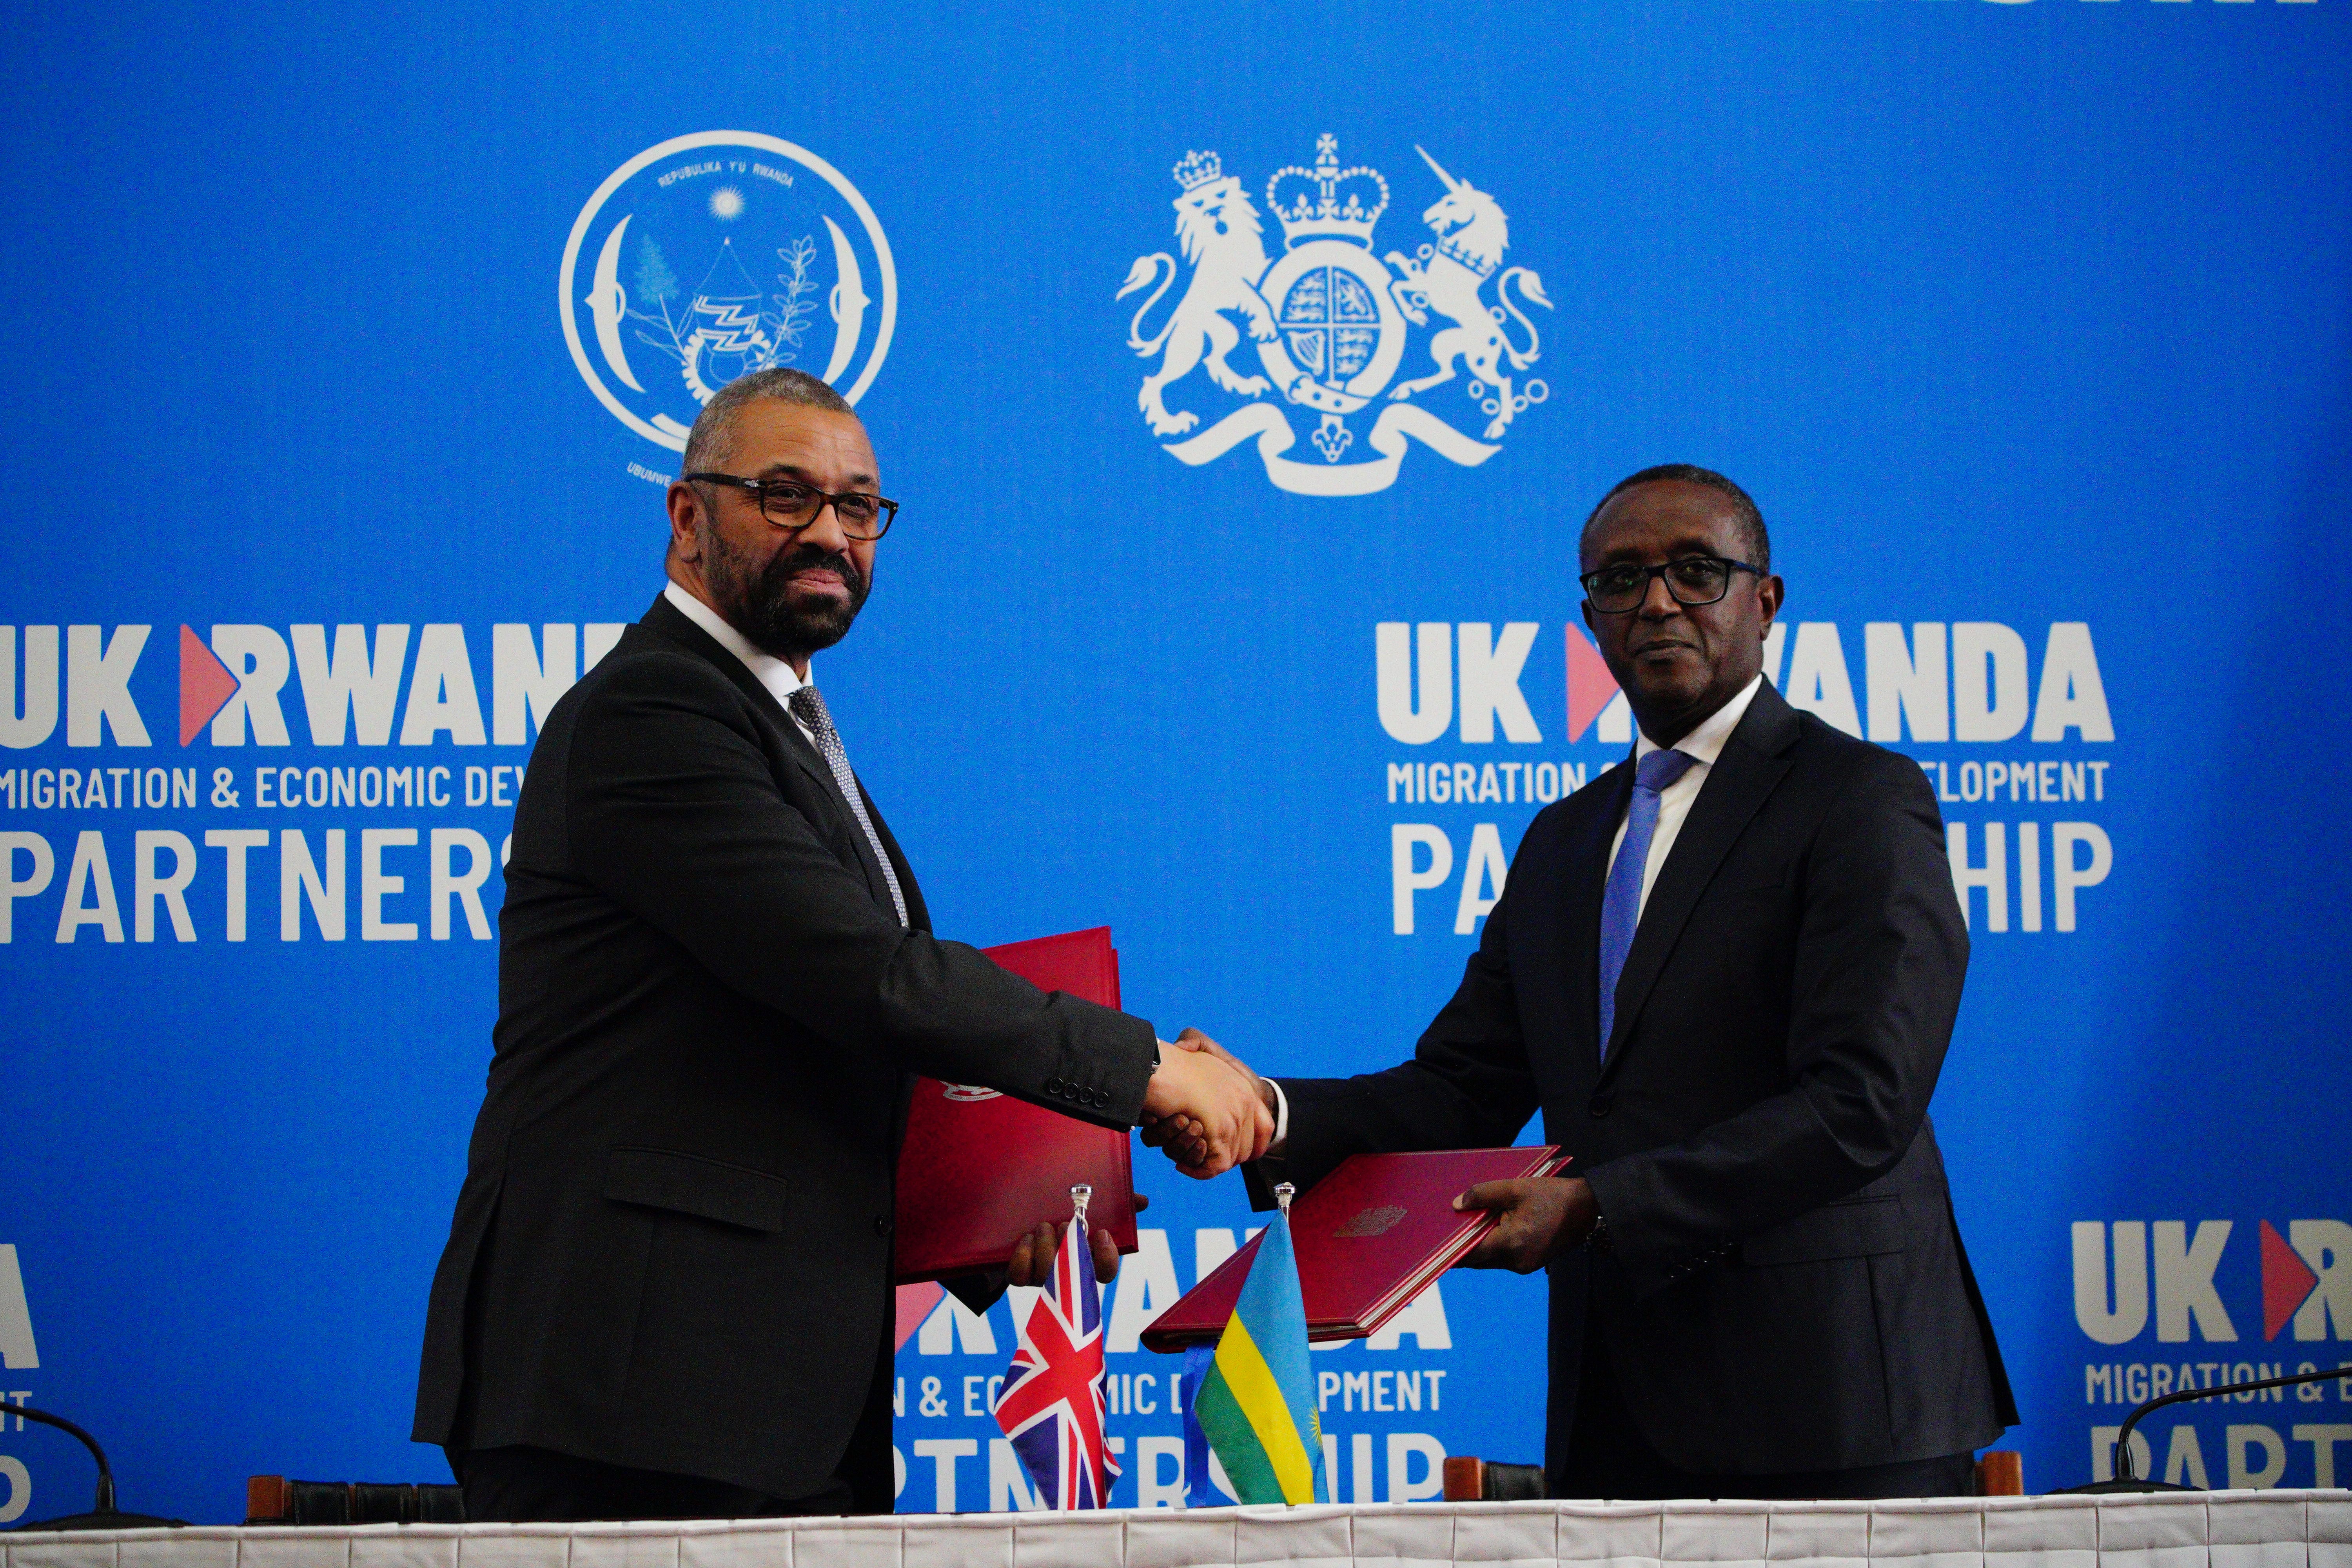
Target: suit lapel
{"points": [[1753, 762], [665, 620]]}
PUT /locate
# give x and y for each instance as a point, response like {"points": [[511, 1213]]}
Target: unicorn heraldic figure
{"points": [[1472, 233]]}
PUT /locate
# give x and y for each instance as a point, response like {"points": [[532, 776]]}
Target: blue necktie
{"points": [[1621, 906]]}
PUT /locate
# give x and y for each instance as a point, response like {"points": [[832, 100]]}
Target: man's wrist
{"points": [[1279, 1104]]}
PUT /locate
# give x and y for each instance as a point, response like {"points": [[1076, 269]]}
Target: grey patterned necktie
{"points": [[809, 708]]}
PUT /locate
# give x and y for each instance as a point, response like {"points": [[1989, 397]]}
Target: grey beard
{"points": [[759, 606]]}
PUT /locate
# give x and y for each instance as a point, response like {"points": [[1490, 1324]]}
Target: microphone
{"points": [[2125, 1481], [103, 1514]]}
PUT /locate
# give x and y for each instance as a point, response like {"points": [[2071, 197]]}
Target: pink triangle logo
{"points": [[206, 685], [1590, 684], [914, 1304], [2287, 1279]]}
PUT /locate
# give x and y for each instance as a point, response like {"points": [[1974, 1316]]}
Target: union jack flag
{"points": [[1051, 1402]]}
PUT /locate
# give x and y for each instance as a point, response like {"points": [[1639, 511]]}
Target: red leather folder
{"points": [[1370, 1238], [979, 1169]]}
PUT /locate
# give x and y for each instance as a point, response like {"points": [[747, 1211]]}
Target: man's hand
{"points": [[1536, 1220], [1184, 1137], [1034, 1254], [1208, 1109], [1179, 1137]]}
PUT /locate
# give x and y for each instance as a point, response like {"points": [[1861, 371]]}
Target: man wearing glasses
{"points": [[667, 1292], [1726, 972]]}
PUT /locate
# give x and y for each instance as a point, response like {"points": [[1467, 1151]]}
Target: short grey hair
{"points": [[710, 445]]}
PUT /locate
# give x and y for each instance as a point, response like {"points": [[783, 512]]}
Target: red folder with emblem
{"points": [[1370, 1238], [980, 1170]]}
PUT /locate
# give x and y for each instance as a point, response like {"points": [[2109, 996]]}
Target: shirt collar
{"points": [[1705, 743], [766, 668]]}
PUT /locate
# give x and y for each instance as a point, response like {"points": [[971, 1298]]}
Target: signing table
{"points": [[2218, 1529]]}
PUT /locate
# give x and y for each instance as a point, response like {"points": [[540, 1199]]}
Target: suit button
{"points": [[1052, 1086], [1601, 1105], [881, 1226]]}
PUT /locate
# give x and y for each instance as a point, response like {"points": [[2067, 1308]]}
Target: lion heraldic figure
{"points": [[1218, 230]]}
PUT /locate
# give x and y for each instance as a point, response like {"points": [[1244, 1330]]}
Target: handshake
{"points": [[1206, 1108], [1535, 1218], [1208, 1112]]}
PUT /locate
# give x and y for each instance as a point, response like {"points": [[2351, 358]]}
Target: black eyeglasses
{"points": [[788, 503], [1693, 580]]}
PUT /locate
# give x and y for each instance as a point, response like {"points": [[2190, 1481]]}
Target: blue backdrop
{"points": [[2026, 324]]}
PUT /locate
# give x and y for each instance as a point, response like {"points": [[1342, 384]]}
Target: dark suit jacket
{"points": [[672, 1249], [1787, 1289]]}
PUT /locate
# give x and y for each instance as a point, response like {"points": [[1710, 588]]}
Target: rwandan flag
{"points": [[1258, 1403]]}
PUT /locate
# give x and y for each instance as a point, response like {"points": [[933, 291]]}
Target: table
{"points": [[2216, 1530]]}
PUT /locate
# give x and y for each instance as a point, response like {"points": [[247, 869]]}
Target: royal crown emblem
{"points": [[1199, 169], [1331, 321], [1327, 202]]}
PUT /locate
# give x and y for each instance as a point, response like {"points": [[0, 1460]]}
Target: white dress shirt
{"points": [[1703, 745], [766, 668]]}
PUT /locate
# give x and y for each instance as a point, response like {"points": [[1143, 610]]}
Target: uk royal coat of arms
{"points": [[1332, 324]]}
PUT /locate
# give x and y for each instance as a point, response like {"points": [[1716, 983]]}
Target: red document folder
{"points": [[979, 1169], [1370, 1238]]}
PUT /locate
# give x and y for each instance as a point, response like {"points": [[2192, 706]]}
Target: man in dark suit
{"points": [[1726, 972], [667, 1292]]}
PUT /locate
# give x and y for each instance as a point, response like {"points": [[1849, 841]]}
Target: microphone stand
{"points": [[103, 1514], [2125, 1481]]}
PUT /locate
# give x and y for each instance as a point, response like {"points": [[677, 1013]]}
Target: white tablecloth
{"points": [[2224, 1530]]}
